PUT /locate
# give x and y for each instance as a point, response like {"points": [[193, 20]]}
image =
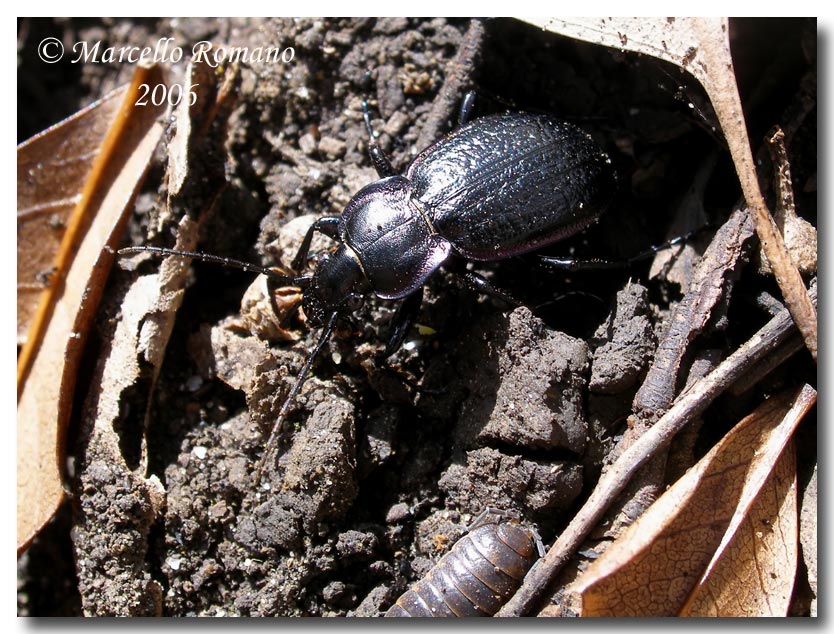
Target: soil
{"points": [[383, 463]]}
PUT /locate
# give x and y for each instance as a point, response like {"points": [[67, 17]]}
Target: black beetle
{"points": [[479, 574], [500, 186], [497, 187]]}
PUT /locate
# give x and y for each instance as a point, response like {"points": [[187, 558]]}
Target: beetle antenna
{"points": [[287, 280], [296, 388]]}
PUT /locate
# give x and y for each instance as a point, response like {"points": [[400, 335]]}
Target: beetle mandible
{"points": [[479, 574], [497, 187]]}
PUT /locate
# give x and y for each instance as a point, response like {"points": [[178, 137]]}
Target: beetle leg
{"points": [[466, 107], [381, 162], [403, 320], [328, 225], [483, 285], [600, 264]]}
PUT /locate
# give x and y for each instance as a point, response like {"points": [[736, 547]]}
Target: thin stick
{"points": [[689, 404]]}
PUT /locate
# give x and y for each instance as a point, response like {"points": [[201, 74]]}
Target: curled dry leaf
{"points": [[47, 365], [265, 312], [715, 534], [107, 537], [200, 79], [701, 47], [104, 468], [52, 168]]}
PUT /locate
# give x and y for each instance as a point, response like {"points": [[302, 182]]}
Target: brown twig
{"points": [[692, 314], [689, 404]]}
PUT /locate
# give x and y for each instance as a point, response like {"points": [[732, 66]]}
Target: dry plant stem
{"points": [[800, 235], [457, 79], [690, 403], [784, 186], [785, 351], [691, 316], [787, 276], [730, 113]]}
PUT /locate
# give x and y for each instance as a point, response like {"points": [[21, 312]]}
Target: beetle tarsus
{"points": [[595, 264], [466, 108], [403, 321], [481, 284]]}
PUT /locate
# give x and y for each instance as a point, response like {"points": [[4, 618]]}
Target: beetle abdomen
{"points": [[508, 184], [476, 577]]}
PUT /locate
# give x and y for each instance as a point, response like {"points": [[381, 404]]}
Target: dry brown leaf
{"points": [[52, 167], [48, 363], [808, 537], [753, 574], [654, 566], [701, 47]]}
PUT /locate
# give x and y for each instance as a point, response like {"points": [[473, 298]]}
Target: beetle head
{"points": [[335, 287]]}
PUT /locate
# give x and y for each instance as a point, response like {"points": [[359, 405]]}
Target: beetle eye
{"points": [[354, 302]]}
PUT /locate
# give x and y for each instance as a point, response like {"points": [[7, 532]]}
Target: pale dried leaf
{"points": [[753, 574], [264, 311], [653, 567], [48, 364], [670, 39], [52, 167], [198, 77], [808, 536]]}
